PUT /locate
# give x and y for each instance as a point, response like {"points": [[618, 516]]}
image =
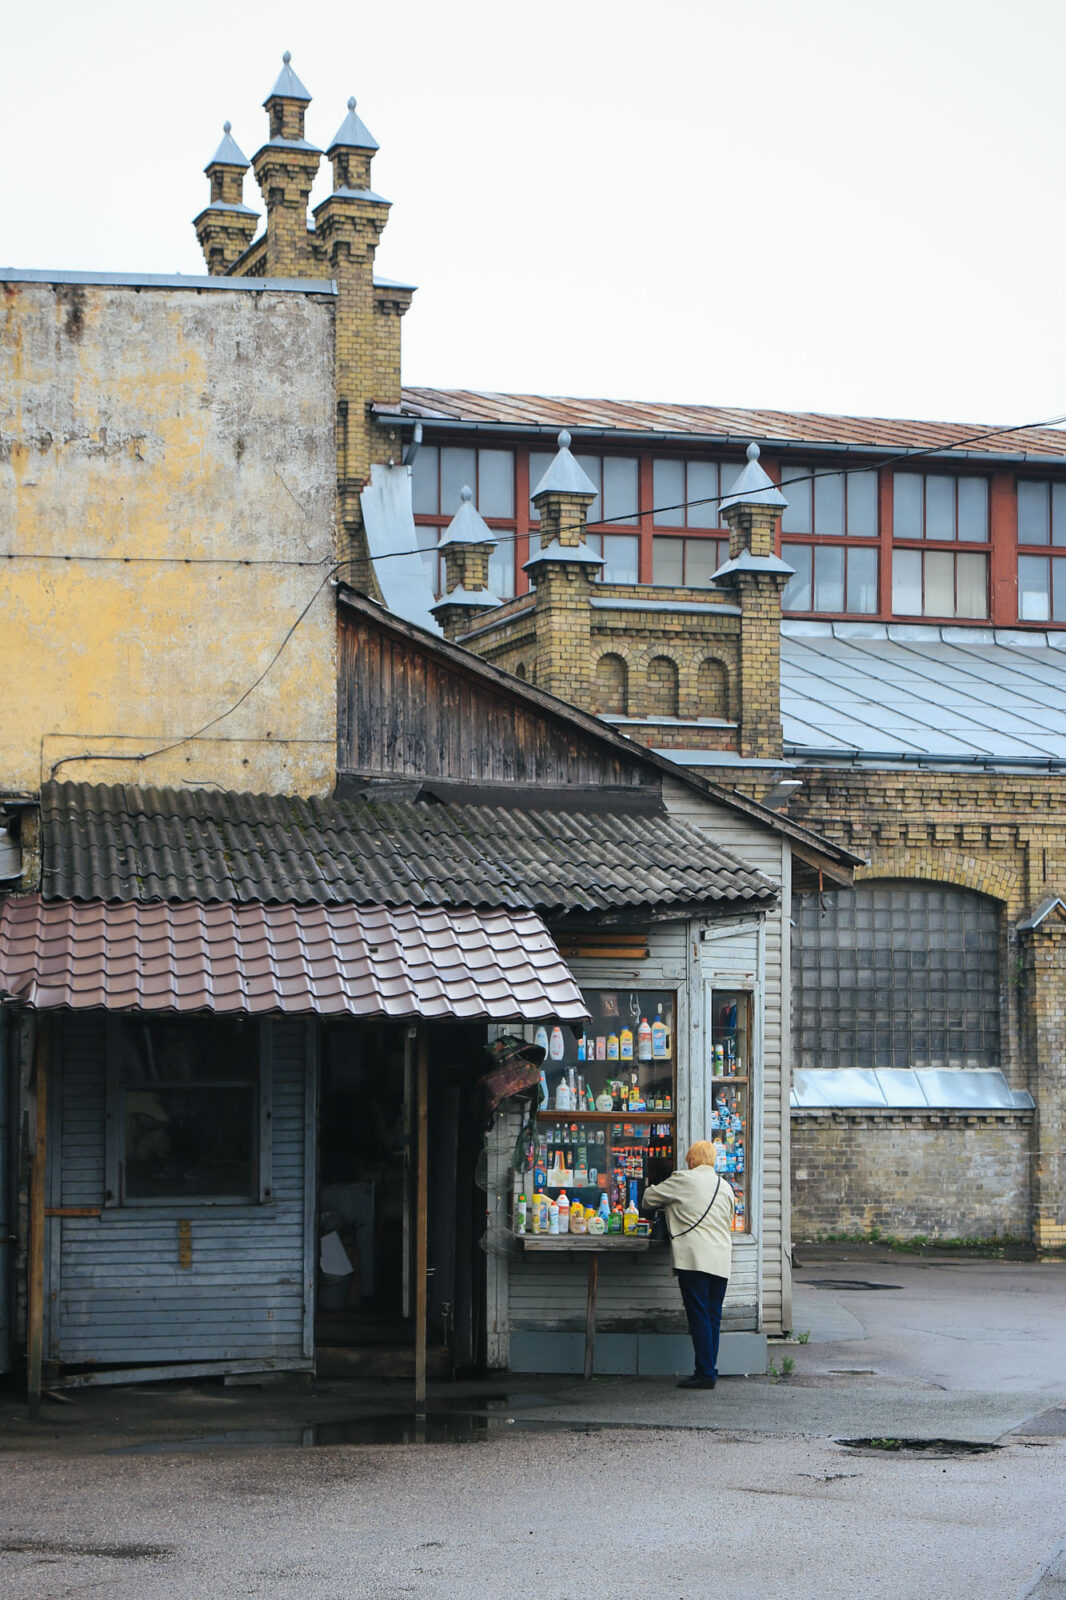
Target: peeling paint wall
{"points": [[167, 515]]}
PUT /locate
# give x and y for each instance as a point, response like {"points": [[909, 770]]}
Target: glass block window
{"points": [[1042, 588], [1041, 512], [686, 563], [895, 975], [932, 505], [438, 474], [830, 503], [939, 583], [685, 494]]}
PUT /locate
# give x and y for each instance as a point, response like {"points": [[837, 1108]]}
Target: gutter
{"points": [[804, 755], [734, 441]]}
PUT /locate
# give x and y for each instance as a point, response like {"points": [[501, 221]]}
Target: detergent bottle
{"points": [[563, 1204]]}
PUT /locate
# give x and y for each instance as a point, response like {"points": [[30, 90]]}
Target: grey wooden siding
{"points": [[402, 713], [769, 852], [119, 1292]]}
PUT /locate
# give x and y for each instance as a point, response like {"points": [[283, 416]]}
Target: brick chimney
{"points": [[757, 577], [226, 226], [285, 169], [348, 225], [467, 545], [563, 571]]}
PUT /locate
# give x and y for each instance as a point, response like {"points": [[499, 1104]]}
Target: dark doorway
{"points": [[364, 1322]]}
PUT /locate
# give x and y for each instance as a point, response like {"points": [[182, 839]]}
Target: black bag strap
{"points": [[692, 1225]]}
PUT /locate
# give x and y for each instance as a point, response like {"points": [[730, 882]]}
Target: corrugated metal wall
{"points": [[119, 1292]]}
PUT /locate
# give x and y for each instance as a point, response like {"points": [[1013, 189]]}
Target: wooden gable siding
{"points": [[404, 714]]}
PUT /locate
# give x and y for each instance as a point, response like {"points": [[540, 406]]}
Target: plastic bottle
{"points": [[631, 1216], [540, 1038], [540, 1171], [545, 1098], [520, 1211], [605, 1207], [644, 1040], [555, 1045], [660, 1037], [562, 1211], [553, 1217], [578, 1216], [625, 1044], [612, 1047], [582, 1049]]}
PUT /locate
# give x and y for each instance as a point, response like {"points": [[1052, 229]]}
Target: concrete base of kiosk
{"points": [[645, 1355]]}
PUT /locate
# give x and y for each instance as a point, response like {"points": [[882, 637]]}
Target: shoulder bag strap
{"points": [[692, 1225]]}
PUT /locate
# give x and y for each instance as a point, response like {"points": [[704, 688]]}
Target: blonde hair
{"points": [[701, 1154]]}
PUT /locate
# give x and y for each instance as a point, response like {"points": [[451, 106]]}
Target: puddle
{"points": [[393, 1427], [936, 1448], [846, 1283], [105, 1552]]}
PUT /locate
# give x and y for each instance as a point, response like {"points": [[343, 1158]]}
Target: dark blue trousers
{"points": [[703, 1294]]}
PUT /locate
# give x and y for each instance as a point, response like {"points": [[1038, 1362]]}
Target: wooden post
{"points": [[421, 1217], [590, 1312], [35, 1264]]}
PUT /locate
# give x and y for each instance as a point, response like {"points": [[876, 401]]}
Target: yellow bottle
{"points": [[630, 1216]]}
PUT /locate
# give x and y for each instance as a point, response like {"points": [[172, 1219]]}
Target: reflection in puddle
{"points": [[393, 1427]]}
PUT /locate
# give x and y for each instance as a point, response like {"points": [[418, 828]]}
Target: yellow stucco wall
{"points": [[167, 513]]}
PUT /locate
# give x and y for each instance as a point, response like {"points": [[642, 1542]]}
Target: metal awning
{"points": [[297, 960]]}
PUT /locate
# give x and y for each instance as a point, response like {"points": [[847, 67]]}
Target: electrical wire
{"points": [[878, 465], [164, 749], [174, 744]]}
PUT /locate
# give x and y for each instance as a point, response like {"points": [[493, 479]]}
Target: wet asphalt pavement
{"points": [[555, 1489]]}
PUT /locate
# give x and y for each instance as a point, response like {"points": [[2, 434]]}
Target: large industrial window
{"points": [[895, 975], [188, 1111]]}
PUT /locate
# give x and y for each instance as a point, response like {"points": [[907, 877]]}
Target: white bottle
{"points": [[540, 1038], [556, 1047], [563, 1204]]}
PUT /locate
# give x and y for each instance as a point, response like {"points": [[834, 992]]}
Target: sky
{"points": [[827, 206]]}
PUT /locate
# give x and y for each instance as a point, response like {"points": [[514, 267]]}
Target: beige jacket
{"points": [[707, 1247]]}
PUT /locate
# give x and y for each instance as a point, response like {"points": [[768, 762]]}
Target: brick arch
{"points": [[610, 685], [713, 688], [951, 867], [520, 670]]}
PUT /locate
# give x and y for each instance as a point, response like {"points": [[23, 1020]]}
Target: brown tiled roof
{"points": [[346, 960], [124, 843], [724, 422]]}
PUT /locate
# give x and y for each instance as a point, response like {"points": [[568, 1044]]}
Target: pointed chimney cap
{"points": [[229, 152], [565, 475], [288, 86], [353, 133], [753, 487], [468, 526]]}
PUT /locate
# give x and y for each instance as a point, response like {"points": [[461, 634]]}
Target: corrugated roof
{"points": [[908, 692], [124, 843], [721, 422], [345, 960]]}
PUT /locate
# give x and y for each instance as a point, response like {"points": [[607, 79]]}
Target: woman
{"points": [[699, 1220]]}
